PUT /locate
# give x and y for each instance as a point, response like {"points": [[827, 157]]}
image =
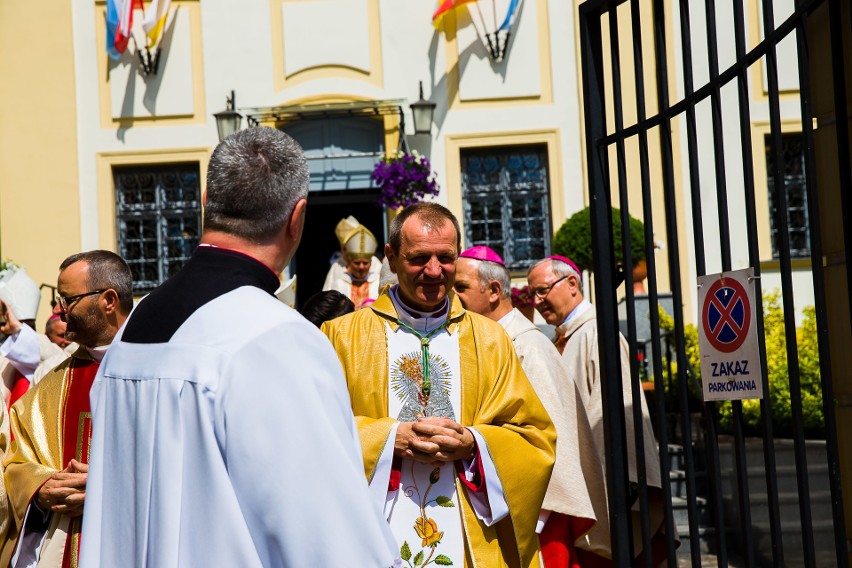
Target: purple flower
{"points": [[404, 180]]}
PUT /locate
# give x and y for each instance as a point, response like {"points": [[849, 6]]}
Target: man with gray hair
{"points": [[483, 285], [222, 429], [556, 285]]}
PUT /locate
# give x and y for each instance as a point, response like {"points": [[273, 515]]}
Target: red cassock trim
{"points": [[658, 554], [557, 540], [477, 484], [19, 387], [395, 474], [76, 437]]}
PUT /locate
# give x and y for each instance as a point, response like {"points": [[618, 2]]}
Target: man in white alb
{"points": [[222, 429], [557, 285], [484, 286]]}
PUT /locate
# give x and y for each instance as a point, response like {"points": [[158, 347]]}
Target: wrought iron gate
{"points": [[606, 27]]}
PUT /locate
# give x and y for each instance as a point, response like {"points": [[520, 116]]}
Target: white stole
{"points": [[424, 515]]}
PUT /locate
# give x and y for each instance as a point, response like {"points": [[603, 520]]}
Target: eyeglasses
{"points": [[65, 302], [545, 290]]}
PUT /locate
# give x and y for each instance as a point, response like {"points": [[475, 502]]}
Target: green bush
{"points": [[777, 373], [693, 357], [574, 238]]}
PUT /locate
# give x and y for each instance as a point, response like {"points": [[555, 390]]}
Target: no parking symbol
{"points": [[727, 337]]}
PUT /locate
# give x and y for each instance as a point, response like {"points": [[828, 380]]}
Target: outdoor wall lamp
{"points": [[423, 112], [229, 120]]}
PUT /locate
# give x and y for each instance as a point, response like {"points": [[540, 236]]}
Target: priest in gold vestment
{"points": [[458, 452], [46, 466]]}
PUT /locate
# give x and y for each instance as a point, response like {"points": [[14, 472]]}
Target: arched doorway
{"points": [[341, 154]]}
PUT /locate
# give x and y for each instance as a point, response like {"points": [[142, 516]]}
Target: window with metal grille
{"points": [[159, 219], [507, 202], [793, 154]]}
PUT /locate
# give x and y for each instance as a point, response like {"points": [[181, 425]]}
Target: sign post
{"points": [[727, 336]]}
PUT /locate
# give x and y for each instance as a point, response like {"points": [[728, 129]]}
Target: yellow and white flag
{"points": [[155, 21]]}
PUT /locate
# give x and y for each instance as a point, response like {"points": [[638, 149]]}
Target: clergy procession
{"points": [[409, 417]]}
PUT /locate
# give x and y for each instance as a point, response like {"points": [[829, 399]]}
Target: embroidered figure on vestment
{"points": [[406, 380]]}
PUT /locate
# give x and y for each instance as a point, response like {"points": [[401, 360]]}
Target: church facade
{"points": [[109, 153]]}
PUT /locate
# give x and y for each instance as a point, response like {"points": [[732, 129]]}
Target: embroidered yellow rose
{"points": [[428, 530]]}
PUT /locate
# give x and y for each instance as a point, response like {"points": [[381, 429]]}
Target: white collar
{"points": [[98, 353], [578, 310], [423, 322], [507, 319]]}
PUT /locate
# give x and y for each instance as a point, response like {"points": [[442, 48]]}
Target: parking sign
{"points": [[727, 336]]}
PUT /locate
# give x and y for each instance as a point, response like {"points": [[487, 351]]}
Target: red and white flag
{"points": [[125, 23]]}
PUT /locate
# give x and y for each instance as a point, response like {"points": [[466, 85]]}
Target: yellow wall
{"points": [[39, 196]]}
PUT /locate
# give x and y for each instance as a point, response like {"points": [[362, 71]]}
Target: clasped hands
{"points": [[432, 439], [65, 492]]}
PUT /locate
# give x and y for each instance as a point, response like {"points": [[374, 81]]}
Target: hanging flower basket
{"points": [[404, 179]]}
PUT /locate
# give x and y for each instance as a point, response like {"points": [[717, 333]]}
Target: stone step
{"points": [[703, 532], [794, 527], [682, 503], [677, 459], [791, 541], [758, 471], [677, 482], [707, 560], [815, 452], [788, 503], [790, 497], [706, 540], [785, 476]]}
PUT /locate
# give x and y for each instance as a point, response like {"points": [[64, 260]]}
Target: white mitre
{"points": [[20, 292], [355, 239]]}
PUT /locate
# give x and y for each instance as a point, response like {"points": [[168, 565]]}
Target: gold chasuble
{"points": [[497, 400], [51, 425]]}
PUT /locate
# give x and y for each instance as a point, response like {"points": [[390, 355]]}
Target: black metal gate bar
{"points": [[591, 14], [709, 409], [787, 294], [665, 115], [817, 269], [741, 465], [842, 129], [653, 299], [666, 151], [636, 390], [613, 409], [767, 431]]}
